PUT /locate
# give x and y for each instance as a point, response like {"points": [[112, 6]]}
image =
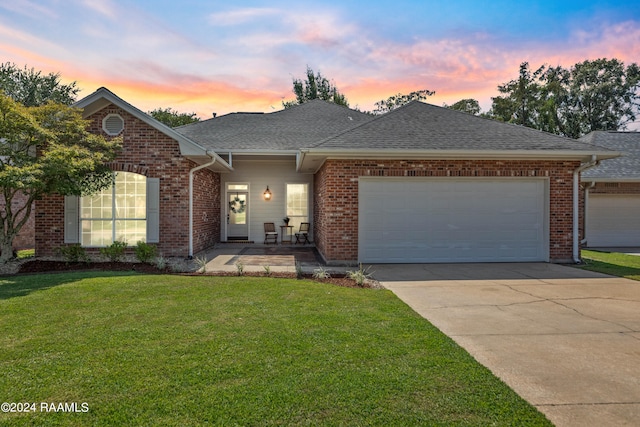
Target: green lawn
{"points": [[181, 351], [613, 263]]}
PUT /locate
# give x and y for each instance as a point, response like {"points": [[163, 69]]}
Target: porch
{"points": [[256, 257]]}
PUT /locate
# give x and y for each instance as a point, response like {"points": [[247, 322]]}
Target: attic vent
{"points": [[113, 124], [611, 185]]}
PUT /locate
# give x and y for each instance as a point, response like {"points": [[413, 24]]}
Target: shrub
{"points": [[299, 272], [267, 270], [161, 263], [73, 253], [201, 262], [145, 252], [240, 268], [115, 251], [26, 253], [321, 273], [359, 276]]}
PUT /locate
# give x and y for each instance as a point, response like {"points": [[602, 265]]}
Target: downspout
{"points": [[586, 207], [299, 159], [191, 173], [576, 206]]}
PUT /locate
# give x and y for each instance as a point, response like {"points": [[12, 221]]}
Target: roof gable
{"points": [[103, 97]]}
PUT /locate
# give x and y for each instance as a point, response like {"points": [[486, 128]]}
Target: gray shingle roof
{"points": [[420, 126], [289, 129], [625, 167]]}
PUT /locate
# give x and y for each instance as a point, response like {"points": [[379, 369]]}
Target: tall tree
{"points": [[554, 98], [30, 87], [316, 86], [520, 101], [43, 150], [468, 105], [592, 95], [399, 99], [172, 118], [603, 94]]}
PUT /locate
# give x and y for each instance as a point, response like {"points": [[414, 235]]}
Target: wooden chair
{"points": [[302, 236], [270, 232]]}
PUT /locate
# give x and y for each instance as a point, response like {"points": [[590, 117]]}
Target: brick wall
{"points": [[26, 237], [206, 209], [336, 196], [151, 153]]}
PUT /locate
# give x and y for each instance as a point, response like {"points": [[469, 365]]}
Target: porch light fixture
{"points": [[267, 194]]}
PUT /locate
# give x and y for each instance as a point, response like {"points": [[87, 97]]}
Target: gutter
{"points": [[576, 208], [191, 173]]}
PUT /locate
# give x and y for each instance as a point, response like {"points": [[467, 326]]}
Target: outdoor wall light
{"points": [[267, 194]]}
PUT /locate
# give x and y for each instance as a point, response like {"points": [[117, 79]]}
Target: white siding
{"points": [[258, 174]]}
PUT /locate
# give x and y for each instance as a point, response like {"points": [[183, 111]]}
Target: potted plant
{"points": [[286, 220]]}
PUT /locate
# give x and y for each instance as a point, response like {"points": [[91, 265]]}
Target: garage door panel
{"points": [[453, 220], [613, 220]]}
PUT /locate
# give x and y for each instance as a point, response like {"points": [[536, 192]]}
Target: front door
{"points": [[237, 215]]}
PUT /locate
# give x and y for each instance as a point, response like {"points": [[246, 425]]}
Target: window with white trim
{"points": [[115, 213], [297, 204]]}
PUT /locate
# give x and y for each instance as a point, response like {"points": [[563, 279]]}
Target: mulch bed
{"points": [[37, 266], [45, 266]]}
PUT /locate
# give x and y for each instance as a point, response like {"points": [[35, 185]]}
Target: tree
{"points": [[43, 150], [316, 86], [468, 105], [398, 100], [519, 104], [603, 95], [592, 95], [172, 118], [32, 88]]}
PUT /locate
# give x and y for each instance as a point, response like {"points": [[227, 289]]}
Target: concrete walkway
{"points": [[566, 340]]}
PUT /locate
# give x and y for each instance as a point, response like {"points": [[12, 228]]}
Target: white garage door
{"points": [[452, 220], [613, 220]]}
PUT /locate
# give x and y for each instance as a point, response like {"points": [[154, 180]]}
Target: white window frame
{"points": [[114, 219], [106, 129], [295, 220]]}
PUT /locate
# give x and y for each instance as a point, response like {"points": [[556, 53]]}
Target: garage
{"points": [[613, 220], [432, 220]]}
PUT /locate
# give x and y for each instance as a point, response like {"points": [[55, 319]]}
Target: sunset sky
{"points": [[224, 56]]}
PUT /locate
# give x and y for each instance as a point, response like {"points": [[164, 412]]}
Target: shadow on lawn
{"points": [[612, 269], [23, 285]]}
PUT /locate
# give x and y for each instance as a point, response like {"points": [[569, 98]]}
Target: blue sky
{"points": [[221, 56]]}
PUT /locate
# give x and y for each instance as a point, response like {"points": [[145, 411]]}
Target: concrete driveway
{"points": [[566, 340]]}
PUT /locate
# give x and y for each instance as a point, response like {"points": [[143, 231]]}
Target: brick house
{"points": [[418, 184], [25, 239], [612, 192]]}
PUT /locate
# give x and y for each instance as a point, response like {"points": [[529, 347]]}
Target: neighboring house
{"points": [[419, 184], [613, 192]]}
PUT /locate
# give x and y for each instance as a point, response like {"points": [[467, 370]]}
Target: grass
{"points": [[613, 263], [183, 351]]}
